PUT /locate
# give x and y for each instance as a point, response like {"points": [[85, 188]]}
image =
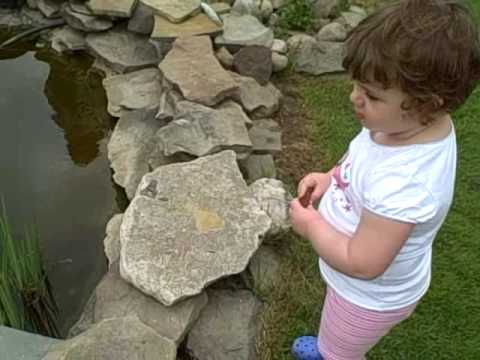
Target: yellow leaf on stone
{"points": [[206, 220]]}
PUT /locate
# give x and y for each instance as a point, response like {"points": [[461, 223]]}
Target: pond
{"points": [[53, 165]]}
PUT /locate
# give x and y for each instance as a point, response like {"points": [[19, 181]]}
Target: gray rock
{"points": [[116, 299], [192, 66], [113, 8], [227, 327], [200, 130], [86, 320], [79, 7], [66, 39], [279, 46], [266, 136], [332, 32], [352, 19], [142, 20], [133, 91], [131, 148], [83, 22], [221, 8], [279, 62], [111, 243], [265, 268], [244, 30], [123, 51], [258, 166], [225, 58], [277, 4], [259, 101], [21, 345], [196, 215], [314, 57], [49, 8], [32, 4], [175, 11], [254, 61], [104, 68], [246, 7], [266, 9], [274, 199], [120, 339], [324, 8]]}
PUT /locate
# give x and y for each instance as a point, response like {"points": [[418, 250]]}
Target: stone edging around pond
{"points": [[194, 128]]}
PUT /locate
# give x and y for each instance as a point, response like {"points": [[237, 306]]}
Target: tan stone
{"points": [[197, 25], [174, 10]]}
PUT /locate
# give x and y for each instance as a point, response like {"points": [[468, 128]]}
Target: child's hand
{"points": [[312, 187], [302, 218]]}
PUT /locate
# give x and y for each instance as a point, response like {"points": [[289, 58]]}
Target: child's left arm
{"points": [[366, 255]]}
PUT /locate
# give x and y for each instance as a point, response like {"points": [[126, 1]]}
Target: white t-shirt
{"points": [[412, 183]]}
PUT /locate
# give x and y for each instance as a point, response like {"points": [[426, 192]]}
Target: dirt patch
{"points": [[297, 156]]}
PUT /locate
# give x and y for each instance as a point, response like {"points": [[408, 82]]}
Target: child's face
{"points": [[380, 109]]}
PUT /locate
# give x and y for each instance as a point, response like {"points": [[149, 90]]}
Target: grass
{"points": [[26, 301]]}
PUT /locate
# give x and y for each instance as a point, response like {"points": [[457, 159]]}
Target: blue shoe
{"points": [[305, 348]]}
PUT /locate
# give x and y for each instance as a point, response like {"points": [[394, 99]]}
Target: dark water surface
{"points": [[54, 172]]}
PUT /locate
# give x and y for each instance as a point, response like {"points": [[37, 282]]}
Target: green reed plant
{"points": [[26, 300]]}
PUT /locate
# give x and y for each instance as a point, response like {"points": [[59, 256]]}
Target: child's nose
{"points": [[357, 98]]}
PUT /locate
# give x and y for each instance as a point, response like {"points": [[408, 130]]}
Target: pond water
{"points": [[54, 172]]}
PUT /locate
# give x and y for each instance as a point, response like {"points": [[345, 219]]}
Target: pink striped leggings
{"points": [[348, 331]]}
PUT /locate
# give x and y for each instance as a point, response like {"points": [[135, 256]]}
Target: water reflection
{"points": [[53, 166]]}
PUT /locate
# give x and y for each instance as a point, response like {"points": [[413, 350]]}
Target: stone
{"points": [[82, 22], [86, 320], [200, 130], [265, 268], [254, 61], [16, 344], [324, 8], [277, 4], [142, 20], [244, 30], [221, 8], [104, 68], [133, 91], [258, 166], [113, 8], [131, 148], [266, 9], [194, 215], [332, 32], [314, 57], [225, 58], [49, 8], [279, 62], [227, 327], [199, 24], [66, 40], [32, 4], [111, 243], [246, 7], [117, 299], [120, 339], [123, 51], [28, 17], [175, 11], [79, 7], [279, 46], [259, 101], [352, 19], [266, 136], [192, 66], [274, 199]]}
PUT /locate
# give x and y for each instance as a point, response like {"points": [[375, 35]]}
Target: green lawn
{"points": [[446, 324]]}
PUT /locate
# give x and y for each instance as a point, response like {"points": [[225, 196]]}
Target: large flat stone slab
{"points": [[122, 50], [244, 30], [15, 344], [196, 25], [117, 298], [174, 10], [120, 339], [192, 66], [81, 21], [200, 130], [189, 225]]}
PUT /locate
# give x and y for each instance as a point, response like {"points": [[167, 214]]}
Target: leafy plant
{"points": [[26, 300], [297, 15]]}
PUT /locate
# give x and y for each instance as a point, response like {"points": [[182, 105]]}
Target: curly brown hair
{"points": [[430, 49]]}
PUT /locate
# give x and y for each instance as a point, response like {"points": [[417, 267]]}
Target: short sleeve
{"points": [[399, 196]]}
